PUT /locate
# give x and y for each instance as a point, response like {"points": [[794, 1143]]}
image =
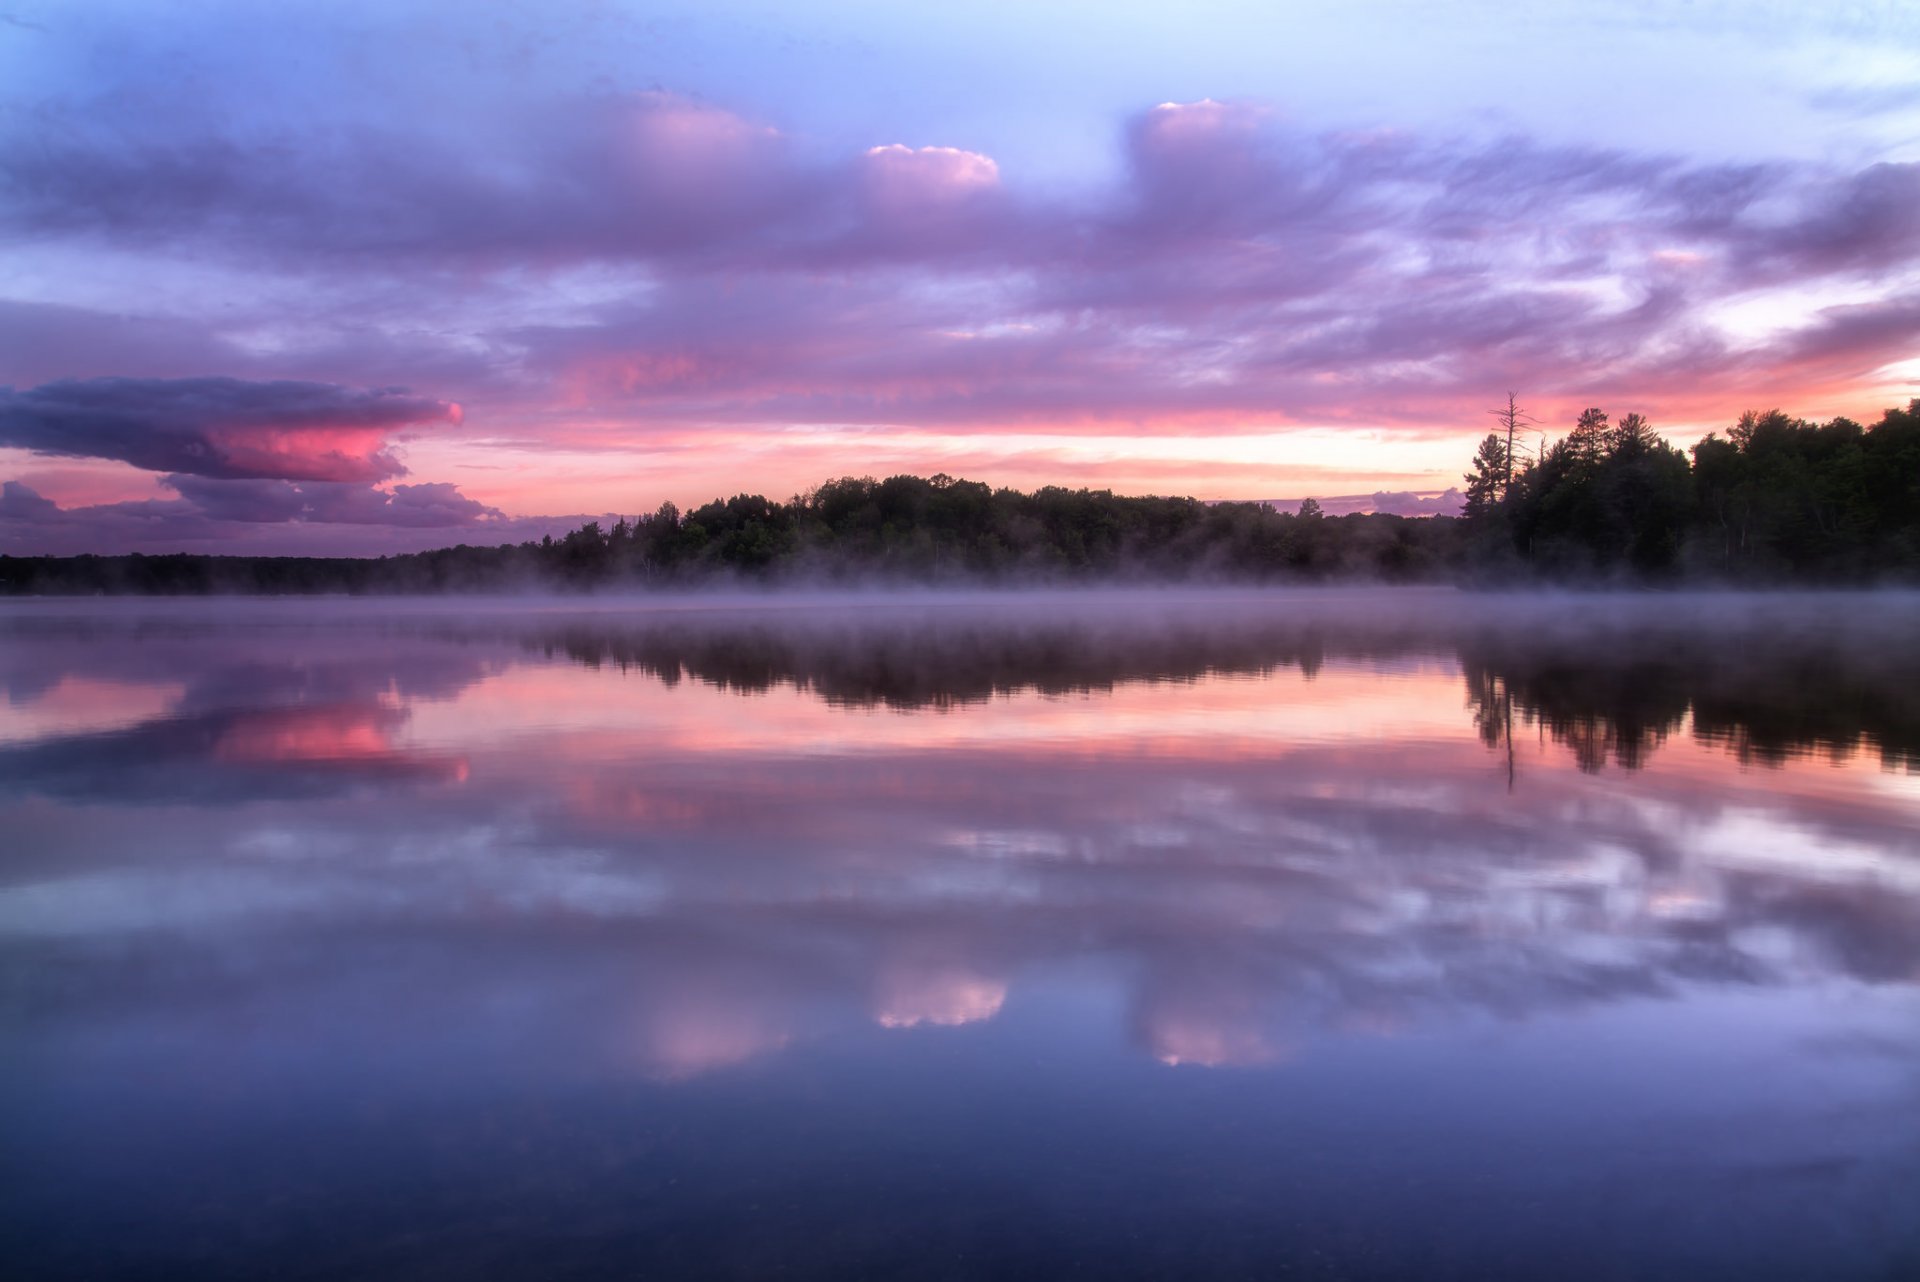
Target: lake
{"points": [[1323, 934]]}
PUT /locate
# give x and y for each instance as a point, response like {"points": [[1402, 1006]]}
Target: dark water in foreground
{"points": [[1337, 935]]}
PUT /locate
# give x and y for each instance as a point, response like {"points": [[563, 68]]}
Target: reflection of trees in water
{"points": [[1823, 712], [1602, 713], [933, 667], [1611, 700], [1363, 886], [1768, 703]]}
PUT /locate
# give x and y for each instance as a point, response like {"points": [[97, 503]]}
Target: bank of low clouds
{"points": [[1446, 502]]}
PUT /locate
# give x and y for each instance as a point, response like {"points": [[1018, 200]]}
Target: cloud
{"points": [[1864, 102], [635, 271], [1845, 342], [432, 505], [220, 427], [1445, 502], [229, 516], [916, 174], [649, 173], [1864, 222], [1407, 503], [1258, 891], [1242, 275], [19, 503]]}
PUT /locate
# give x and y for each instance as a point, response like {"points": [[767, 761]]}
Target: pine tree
{"points": [[1487, 482], [1588, 440]]}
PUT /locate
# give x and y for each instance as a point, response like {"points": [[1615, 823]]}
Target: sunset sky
{"points": [[368, 277]]}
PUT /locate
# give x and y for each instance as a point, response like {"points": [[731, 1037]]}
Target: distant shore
{"points": [[1779, 501]]}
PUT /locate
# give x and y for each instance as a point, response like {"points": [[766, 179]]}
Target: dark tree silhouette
{"points": [[1776, 499], [1487, 483], [1510, 417]]}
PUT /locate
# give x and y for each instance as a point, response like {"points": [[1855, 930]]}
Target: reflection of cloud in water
{"points": [[1207, 1040], [686, 1034], [1249, 887], [1209, 1035], [311, 734], [231, 756], [347, 736], [77, 704], [284, 713], [946, 995]]}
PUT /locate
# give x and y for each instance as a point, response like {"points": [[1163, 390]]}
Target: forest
{"points": [[905, 529], [1776, 500]]}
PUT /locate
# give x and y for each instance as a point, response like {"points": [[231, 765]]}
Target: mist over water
{"points": [[1358, 933]]}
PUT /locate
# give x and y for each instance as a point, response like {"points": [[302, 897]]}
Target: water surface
{"points": [[1343, 935]]}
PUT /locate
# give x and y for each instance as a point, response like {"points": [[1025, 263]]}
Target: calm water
{"points": [[1337, 935]]}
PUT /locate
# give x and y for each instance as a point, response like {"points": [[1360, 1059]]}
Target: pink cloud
{"points": [[220, 427], [943, 996], [903, 181]]}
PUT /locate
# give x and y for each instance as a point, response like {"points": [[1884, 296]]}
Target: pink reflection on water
{"points": [[946, 996], [361, 736], [1209, 1039], [1251, 861], [686, 1036]]}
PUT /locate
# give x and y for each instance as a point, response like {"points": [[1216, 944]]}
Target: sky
{"points": [[369, 277]]}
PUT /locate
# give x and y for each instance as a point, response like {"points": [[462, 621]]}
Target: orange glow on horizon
{"points": [[594, 465]]}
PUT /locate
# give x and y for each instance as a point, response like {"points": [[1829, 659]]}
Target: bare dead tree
{"points": [[1511, 418]]}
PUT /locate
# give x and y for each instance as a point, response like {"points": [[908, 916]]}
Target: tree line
{"points": [[1778, 499], [904, 529]]}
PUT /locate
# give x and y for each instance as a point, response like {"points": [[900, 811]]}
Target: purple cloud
{"points": [[220, 427], [665, 179], [1447, 502], [430, 506], [629, 271], [20, 503], [239, 516], [1408, 503], [1863, 223]]}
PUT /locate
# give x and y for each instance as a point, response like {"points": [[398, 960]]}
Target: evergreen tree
{"points": [[1488, 481]]}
